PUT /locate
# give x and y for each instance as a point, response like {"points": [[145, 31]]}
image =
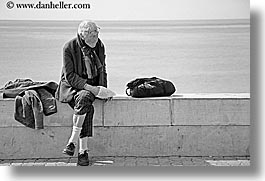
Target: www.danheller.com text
{"points": [[50, 5]]}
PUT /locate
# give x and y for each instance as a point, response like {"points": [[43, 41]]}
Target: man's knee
{"points": [[83, 102]]}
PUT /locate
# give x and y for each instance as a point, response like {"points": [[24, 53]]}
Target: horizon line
{"points": [[130, 19]]}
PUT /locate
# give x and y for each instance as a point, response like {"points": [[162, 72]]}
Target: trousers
{"points": [[82, 103]]}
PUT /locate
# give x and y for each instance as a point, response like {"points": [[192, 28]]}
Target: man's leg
{"points": [[78, 121], [83, 145], [86, 131], [76, 130], [82, 120]]}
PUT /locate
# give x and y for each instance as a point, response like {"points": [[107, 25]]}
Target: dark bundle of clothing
{"points": [[32, 100], [150, 87]]}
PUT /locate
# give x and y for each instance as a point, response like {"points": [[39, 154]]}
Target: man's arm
{"points": [[68, 67], [100, 92], [103, 73]]}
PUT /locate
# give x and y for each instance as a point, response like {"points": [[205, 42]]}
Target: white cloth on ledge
{"points": [[105, 93]]}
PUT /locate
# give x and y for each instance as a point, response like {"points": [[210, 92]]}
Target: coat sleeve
{"points": [[103, 73], [71, 77]]}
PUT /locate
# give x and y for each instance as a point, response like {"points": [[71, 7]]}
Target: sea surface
{"points": [[209, 56]]}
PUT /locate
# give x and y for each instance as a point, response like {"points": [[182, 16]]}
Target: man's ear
{"points": [[81, 36]]}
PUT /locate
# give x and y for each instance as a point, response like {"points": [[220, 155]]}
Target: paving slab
{"points": [[122, 161]]}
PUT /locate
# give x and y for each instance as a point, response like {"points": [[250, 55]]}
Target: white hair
{"points": [[85, 25]]}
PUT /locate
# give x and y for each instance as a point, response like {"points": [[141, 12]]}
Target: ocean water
{"points": [[197, 56]]}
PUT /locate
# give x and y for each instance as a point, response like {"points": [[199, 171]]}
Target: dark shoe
{"points": [[83, 159], [70, 149]]}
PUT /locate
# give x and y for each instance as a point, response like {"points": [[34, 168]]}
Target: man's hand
{"points": [[108, 99], [93, 89], [100, 92]]}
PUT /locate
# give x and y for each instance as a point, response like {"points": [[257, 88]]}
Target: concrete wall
{"points": [[185, 125]]}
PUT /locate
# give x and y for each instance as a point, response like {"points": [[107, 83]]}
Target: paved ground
{"points": [[133, 161]]}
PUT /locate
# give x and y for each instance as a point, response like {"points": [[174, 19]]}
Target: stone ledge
{"points": [[185, 125], [186, 109], [19, 142]]}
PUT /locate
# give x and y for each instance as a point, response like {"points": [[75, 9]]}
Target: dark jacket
{"points": [[72, 78], [31, 105], [32, 100], [14, 88], [29, 109]]}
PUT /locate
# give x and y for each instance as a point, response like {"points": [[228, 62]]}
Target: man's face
{"points": [[91, 36]]}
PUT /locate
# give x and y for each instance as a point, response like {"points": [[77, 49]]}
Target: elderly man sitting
{"points": [[83, 78]]}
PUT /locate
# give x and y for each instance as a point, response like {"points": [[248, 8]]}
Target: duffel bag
{"points": [[150, 87]]}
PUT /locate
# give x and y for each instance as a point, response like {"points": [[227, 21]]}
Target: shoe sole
{"points": [[82, 165], [68, 153]]}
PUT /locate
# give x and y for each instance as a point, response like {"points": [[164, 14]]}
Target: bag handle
{"points": [[126, 91]]}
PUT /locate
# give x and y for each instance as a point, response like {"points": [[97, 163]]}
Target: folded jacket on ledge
{"points": [[29, 110], [13, 88], [32, 100]]}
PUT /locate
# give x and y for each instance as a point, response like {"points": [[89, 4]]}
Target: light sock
{"points": [[83, 144], [75, 134]]}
